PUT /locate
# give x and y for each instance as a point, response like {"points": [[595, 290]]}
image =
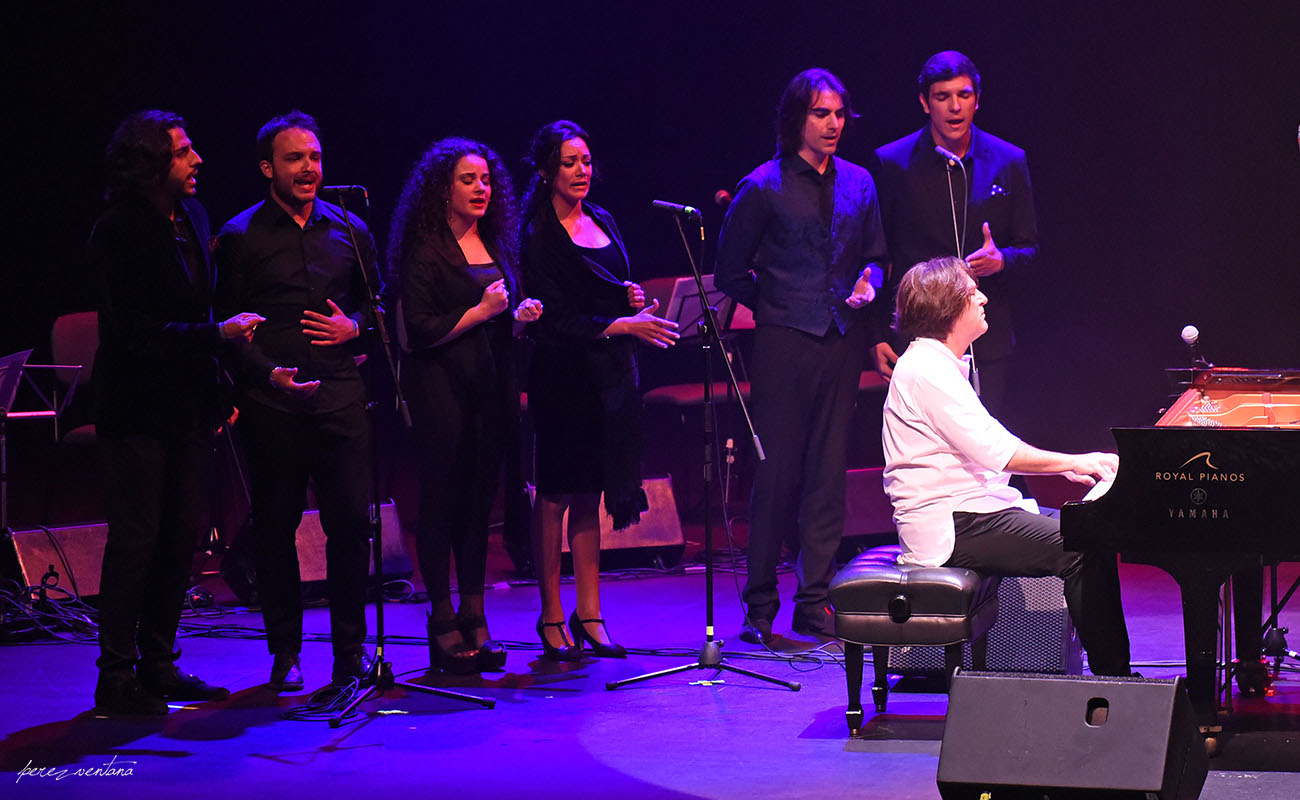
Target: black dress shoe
{"points": [[816, 622], [286, 674], [350, 667], [580, 636], [169, 683], [122, 694], [756, 631]]}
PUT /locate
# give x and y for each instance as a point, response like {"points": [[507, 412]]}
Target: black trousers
{"points": [[460, 466], [284, 451], [803, 388], [158, 508], [1016, 542]]}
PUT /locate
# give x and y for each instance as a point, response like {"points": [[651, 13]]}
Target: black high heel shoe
{"points": [[569, 652], [460, 659], [491, 653], [580, 635]]}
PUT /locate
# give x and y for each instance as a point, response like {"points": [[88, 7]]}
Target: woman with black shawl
{"points": [[582, 388]]}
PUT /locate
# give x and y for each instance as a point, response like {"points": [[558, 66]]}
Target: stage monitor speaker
{"points": [[1016, 736], [1033, 633], [656, 538], [75, 553]]}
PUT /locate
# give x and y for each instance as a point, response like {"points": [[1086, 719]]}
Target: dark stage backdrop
{"points": [[1160, 140]]}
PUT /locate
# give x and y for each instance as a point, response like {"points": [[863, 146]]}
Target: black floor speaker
{"points": [[1033, 634], [1048, 736], [70, 558], [240, 573]]}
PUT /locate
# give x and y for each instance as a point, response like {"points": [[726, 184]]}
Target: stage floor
{"points": [[555, 732]]}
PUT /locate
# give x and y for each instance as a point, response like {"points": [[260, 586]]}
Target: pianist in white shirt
{"points": [[948, 463]]}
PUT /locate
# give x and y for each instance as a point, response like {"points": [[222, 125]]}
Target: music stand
{"points": [[684, 306]]}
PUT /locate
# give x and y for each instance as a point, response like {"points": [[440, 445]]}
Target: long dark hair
{"points": [[792, 110], [543, 161], [421, 212], [139, 155]]}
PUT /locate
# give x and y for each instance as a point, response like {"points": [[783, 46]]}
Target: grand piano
{"points": [[1211, 490]]}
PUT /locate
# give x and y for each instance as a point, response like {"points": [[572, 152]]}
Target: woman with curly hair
{"points": [[582, 387], [454, 245]]}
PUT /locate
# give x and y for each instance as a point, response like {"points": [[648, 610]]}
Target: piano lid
{"points": [[1188, 489]]}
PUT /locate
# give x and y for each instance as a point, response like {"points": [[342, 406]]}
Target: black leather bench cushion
{"points": [[878, 601]]}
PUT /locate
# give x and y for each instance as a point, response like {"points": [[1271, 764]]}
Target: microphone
{"points": [[722, 199], [948, 154], [365, 195], [688, 211], [1192, 338]]}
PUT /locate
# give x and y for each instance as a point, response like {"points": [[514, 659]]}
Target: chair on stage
{"points": [[73, 342]]}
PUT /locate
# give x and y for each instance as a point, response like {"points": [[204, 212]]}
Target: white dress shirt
{"points": [[944, 452]]}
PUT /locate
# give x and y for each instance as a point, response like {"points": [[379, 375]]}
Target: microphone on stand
{"points": [[952, 157], [959, 239], [365, 195], [1192, 338], [686, 211], [722, 199]]}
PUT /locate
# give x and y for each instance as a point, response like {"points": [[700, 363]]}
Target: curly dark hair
{"points": [[279, 124], [421, 211], [931, 296], [139, 155], [792, 110], [543, 160]]}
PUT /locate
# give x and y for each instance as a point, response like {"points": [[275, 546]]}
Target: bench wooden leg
{"points": [[853, 671], [880, 689], [952, 658]]}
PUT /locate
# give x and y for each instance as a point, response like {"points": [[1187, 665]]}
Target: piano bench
{"points": [[882, 603]]}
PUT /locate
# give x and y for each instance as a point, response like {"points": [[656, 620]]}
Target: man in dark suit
{"points": [[975, 203], [156, 387], [302, 401]]}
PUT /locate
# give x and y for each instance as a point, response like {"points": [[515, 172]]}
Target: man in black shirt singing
{"points": [[978, 206], [302, 399]]}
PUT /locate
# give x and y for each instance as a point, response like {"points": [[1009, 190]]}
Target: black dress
{"points": [[582, 386], [464, 403]]}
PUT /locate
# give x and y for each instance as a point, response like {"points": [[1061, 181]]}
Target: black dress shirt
{"points": [[807, 237], [271, 266]]}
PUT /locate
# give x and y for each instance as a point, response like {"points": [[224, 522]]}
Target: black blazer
{"points": [[914, 205], [156, 368], [436, 289]]}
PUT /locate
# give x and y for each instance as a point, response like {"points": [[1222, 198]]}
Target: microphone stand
{"points": [[710, 657], [961, 240], [379, 679]]}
